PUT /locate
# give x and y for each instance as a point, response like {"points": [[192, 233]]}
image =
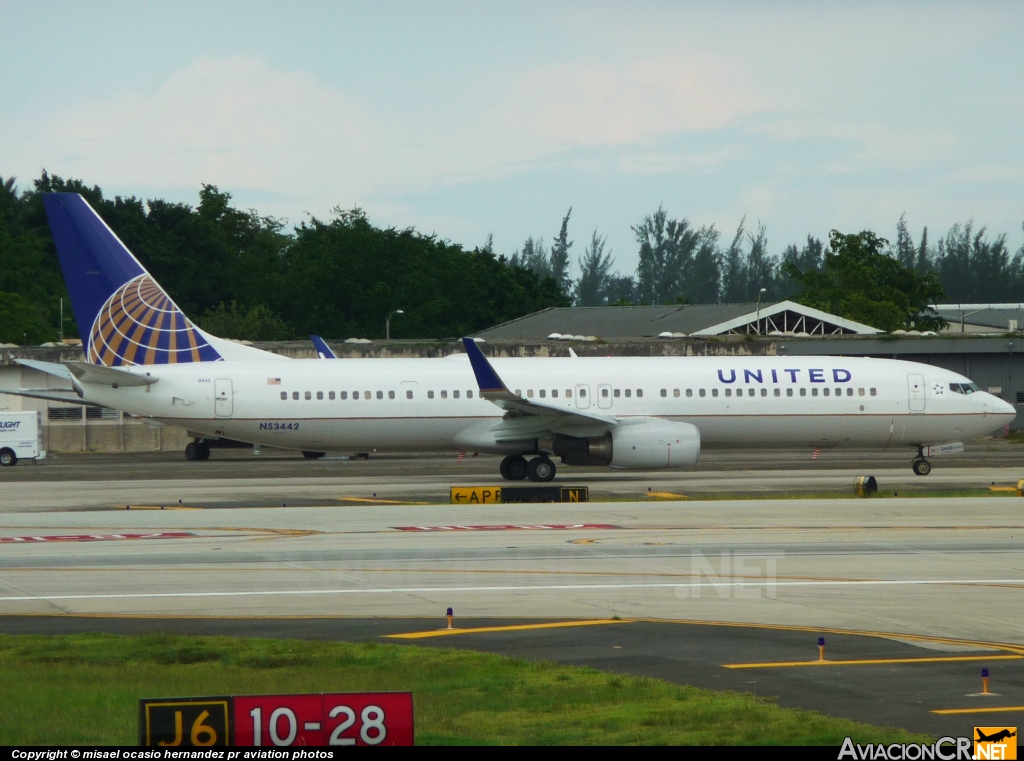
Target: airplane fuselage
{"points": [[430, 404]]}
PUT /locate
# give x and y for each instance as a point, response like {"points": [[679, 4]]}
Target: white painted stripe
{"points": [[526, 588]]}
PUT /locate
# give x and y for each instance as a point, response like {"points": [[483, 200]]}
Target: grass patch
{"points": [[83, 689]]}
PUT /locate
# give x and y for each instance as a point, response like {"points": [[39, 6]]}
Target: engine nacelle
{"points": [[645, 444], [655, 444]]}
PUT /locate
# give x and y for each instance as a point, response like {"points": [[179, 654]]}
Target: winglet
{"points": [[486, 378], [322, 349]]}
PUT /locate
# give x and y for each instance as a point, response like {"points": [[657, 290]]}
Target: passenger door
{"points": [[604, 396], [223, 396], [915, 386], [583, 397]]}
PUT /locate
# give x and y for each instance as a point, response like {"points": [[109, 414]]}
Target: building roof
{"points": [[784, 317], [982, 318]]}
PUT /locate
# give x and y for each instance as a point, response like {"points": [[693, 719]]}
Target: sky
{"points": [[465, 119]]}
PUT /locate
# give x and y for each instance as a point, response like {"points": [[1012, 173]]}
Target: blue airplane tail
{"points": [[322, 349], [124, 316]]}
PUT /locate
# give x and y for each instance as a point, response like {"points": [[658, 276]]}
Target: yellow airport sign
{"points": [[476, 495], [491, 495]]}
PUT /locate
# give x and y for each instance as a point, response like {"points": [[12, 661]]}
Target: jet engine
{"points": [[644, 444]]}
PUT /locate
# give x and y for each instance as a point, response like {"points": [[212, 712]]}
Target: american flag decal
{"points": [[273, 381]]}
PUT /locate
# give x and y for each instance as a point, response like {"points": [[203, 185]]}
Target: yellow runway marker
{"points": [[517, 628], [375, 501], [873, 661], [664, 495], [1003, 709]]}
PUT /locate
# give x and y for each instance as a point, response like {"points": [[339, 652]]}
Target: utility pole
{"points": [[763, 290], [387, 323]]}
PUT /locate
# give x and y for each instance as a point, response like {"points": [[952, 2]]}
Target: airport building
{"points": [[981, 342]]}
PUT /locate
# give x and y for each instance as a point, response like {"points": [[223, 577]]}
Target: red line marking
{"points": [[92, 537], [512, 527]]}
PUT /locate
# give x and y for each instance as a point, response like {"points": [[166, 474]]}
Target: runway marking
{"points": [[514, 628], [375, 501], [666, 495], [873, 661], [92, 537], [1008, 647], [1001, 709], [154, 507], [524, 588], [512, 527]]}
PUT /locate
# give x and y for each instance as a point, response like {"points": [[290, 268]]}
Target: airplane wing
{"points": [[49, 394], [526, 418], [322, 349]]}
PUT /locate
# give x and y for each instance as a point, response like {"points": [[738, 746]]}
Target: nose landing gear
{"points": [[516, 468]]}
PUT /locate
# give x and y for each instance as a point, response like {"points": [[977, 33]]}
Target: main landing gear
{"points": [[920, 465], [516, 468], [197, 450]]}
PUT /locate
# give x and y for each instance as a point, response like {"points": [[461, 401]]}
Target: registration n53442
{"points": [[279, 426]]}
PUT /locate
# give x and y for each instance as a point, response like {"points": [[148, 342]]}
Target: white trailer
{"points": [[21, 437]]}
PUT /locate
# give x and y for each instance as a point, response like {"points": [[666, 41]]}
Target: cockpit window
{"points": [[964, 388]]}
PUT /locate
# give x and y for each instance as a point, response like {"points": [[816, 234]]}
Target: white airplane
{"points": [[145, 357]]}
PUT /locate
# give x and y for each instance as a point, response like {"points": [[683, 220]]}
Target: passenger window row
{"points": [[542, 393], [344, 395], [776, 392], [455, 394]]}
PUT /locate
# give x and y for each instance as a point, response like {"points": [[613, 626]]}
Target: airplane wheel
{"points": [[513, 468], [313, 455], [540, 469], [8, 458], [192, 452], [922, 467], [204, 450]]}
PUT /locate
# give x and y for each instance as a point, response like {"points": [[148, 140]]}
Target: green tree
{"points": [[595, 268], [861, 282], [23, 322], [256, 324], [533, 257], [343, 277], [734, 269], [976, 268], [676, 260], [559, 261]]}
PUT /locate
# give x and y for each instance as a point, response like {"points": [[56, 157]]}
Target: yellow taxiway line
{"points": [[1003, 709], [873, 661], [517, 628]]}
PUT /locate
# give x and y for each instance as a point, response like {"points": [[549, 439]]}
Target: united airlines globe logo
{"points": [[140, 325]]}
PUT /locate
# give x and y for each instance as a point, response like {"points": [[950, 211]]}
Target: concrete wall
{"points": [[991, 362]]}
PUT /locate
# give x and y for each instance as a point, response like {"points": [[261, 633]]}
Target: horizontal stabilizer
{"points": [[108, 376], [50, 368]]}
